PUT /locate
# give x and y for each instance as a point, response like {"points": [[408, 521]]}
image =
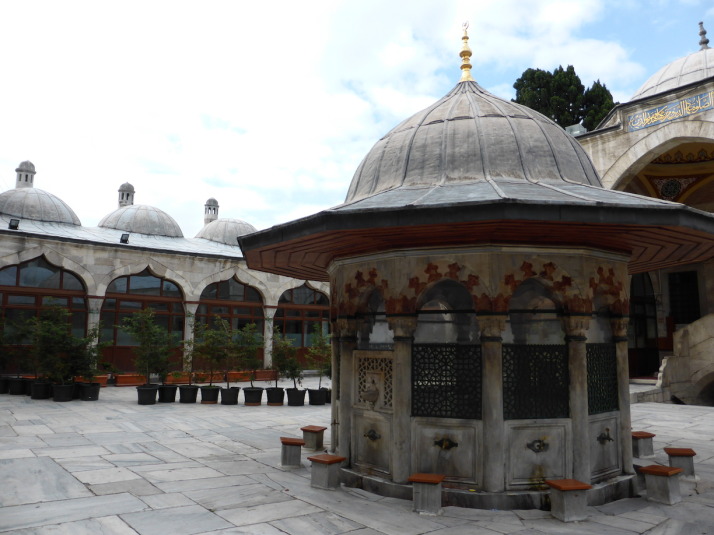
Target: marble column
{"points": [[403, 328], [189, 321], [575, 328], [494, 454], [619, 337], [268, 336], [348, 342], [335, 385]]}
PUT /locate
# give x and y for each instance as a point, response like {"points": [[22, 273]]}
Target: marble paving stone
{"points": [[644, 517], [187, 463], [623, 506], [135, 487], [7, 431], [110, 525], [22, 442], [58, 512], [36, 480], [505, 529], [130, 459], [162, 501], [78, 464], [323, 523], [465, 530], [198, 450], [180, 474], [121, 437], [241, 496], [70, 451], [556, 527], [623, 523], [238, 467], [530, 514], [31, 430], [679, 527], [253, 529], [16, 454], [106, 475], [66, 439], [242, 516], [198, 484], [175, 521]]}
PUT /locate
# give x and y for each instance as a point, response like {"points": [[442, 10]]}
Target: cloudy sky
{"points": [[270, 106]]}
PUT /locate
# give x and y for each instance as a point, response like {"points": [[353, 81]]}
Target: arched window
{"points": [[238, 303], [28, 287], [129, 294], [298, 310]]}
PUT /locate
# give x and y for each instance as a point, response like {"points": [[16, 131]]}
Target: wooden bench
{"points": [[290, 452], [682, 458], [642, 444], [313, 436], [662, 483], [325, 471], [426, 493], [568, 499]]}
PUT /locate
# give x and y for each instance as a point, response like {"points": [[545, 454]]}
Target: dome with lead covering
{"points": [[226, 230], [689, 69], [142, 219], [37, 204]]}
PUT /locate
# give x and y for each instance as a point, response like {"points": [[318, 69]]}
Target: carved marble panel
{"points": [[449, 447], [537, 450], [605, 445], [371, 442]]}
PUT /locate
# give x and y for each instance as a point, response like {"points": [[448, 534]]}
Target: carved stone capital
{"points": [[346, 328], [619, 327], [402, 326], [492, 327], [576, 327]]}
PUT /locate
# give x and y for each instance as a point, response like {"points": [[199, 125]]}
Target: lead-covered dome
{"points": [[689, 69], [225, 230], [37, 204], [142, 219], [471, 136]]}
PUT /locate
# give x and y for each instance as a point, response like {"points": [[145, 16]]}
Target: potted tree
{"points": [[285, 358], [246, 344], [49, 338], [151, 355], [282, 347], [212, 344], [320, 358], [251, 361]]}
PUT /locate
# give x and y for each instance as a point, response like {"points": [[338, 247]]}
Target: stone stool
{"points": [[568, 499], [312, 435], [426, 493], [662, 483], [642, 444], [290, 453], [682, 458], [325, 472]]}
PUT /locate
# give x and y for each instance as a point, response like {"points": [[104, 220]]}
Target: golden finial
{"points": [[466, 57]]}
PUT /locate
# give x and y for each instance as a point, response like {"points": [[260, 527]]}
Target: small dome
{"points": [[126, 187], [37, 204], [26, 166], [211, 202], [467, 138], [226, 230], [689, 69], [142, 219]]}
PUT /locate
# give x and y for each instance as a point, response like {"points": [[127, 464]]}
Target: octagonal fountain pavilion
{"points": [[479, 275]]}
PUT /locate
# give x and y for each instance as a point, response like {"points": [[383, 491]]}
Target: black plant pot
{"points": [[229, 396], [275, 395], [167, 393], [317, 396], [27, 385], [63, 392], [89, 391], [188, 393], [328, 394], [41, 390], [209, 394], [253, 395], [296, 397], [16, 386], [4, 385], [147, 394]]}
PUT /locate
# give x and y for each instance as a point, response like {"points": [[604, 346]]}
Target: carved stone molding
{"points": [[576, 326], [402, 326], [619, 327], [492, 327]]}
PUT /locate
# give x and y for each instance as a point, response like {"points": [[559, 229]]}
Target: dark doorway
{"points": [[642, 330]]}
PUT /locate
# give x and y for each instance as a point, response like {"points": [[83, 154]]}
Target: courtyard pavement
{"points": [[115, 467]]}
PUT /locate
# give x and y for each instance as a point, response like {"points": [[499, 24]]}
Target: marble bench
{"points": [[290, 452], [662, 483], [682, 458], [568, 499], [426, 493], [642, 444], [313, 436], [325, 471]]}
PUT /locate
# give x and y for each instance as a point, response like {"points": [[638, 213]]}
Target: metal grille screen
{"points": [[535, 381], [446, 381], [602, 378]]}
